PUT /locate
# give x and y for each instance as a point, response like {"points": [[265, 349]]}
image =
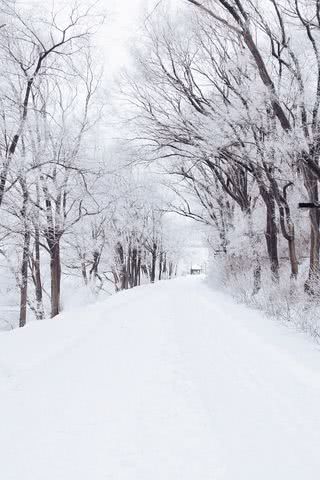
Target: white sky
{"points": [[124, 19]]}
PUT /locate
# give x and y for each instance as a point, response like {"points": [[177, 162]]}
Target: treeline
{"points": [[64, 212], [227, 96]]}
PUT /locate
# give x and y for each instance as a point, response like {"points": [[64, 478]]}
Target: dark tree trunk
{"points": [[288, 233], [153, 263], [95, 265], [116, 280], [129, 269], [256, 279], [164, 270], [145, 270], [139, 269], [25, 257], [37, 275], [24, 277], [271, 233], [293, 259], [286, 223], [134, 267], [272, 240], [55, 269], [311, 184], [170, 269], [123, 268], [160, 265], [253, 241], [84, 270]]}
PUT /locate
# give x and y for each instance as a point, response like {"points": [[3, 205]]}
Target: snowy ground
{"points": [[164, 382]]}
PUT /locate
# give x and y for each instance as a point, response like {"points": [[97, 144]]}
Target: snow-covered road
{"points": [[164, 382]]}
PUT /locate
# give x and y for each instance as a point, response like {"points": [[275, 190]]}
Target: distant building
{"points": [[195, 270]]}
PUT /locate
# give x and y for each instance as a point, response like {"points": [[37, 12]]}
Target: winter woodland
{"points": [[74, 211], [215, 120]]}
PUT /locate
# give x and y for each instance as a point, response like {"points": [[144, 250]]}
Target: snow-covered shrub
{"points": [[285, 301]]}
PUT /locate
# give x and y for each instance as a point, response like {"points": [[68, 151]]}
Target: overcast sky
{"points": [[124, 19]]}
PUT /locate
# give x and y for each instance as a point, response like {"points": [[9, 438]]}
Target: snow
{"points": [[164, 382]]}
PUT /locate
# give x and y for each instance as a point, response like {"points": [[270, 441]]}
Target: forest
{"points": [[73, 207], [215, 119], [159, 239]]}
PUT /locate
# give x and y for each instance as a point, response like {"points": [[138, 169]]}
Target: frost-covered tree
{"points": [[221, 98]]}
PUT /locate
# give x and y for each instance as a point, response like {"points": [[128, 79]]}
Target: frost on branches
{"points": [[73, 215], [226, 95]]}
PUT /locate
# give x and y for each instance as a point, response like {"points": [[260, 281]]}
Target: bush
{"points": [[286, 302]]}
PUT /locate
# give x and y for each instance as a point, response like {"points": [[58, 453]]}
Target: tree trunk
{"points": [[312, 283], [153, 263], [286, 223], [288, 233], [164, 270], [160, 265], [272, 241], [36, 263], [139, 269], [271, 233], [256, 260], [129, 283], [116, 280], [293, 259], [130, 268], [134, 267], [84, 269], [55, 270], [95, 264], [256, 279], [25, 256], [37, 276], [170, 269], [123, 268], [24, 277]]}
